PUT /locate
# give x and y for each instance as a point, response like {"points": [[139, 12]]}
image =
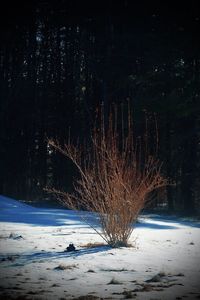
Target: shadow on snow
{"points": [[155, 225], [38, 257], [174, 220], [18, 212]]}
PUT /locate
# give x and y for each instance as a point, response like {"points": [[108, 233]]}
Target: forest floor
{"points": [[163, 263]]}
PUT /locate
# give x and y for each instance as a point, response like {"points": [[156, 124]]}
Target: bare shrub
{"points": [[117, 172]]}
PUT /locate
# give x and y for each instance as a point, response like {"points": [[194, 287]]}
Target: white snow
{"points": [[33, 262]]}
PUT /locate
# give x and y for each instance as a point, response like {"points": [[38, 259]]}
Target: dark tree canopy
{"points": [[60, 60]]}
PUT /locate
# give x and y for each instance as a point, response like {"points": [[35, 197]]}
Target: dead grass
{"points": [[91, 271], [114, 270], [88, 297], [93, 245], [128, 295], [114, 281], [65, 267]]}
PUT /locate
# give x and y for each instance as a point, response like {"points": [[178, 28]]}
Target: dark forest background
{"points": [[59, 61]]}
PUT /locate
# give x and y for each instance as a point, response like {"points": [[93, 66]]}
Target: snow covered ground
{"points": [[163, 264]]}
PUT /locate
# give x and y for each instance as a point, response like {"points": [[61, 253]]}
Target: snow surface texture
{"points": [[163, 264]]}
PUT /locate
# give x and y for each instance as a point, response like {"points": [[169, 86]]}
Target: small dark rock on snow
{"points": [[70, 248]]}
